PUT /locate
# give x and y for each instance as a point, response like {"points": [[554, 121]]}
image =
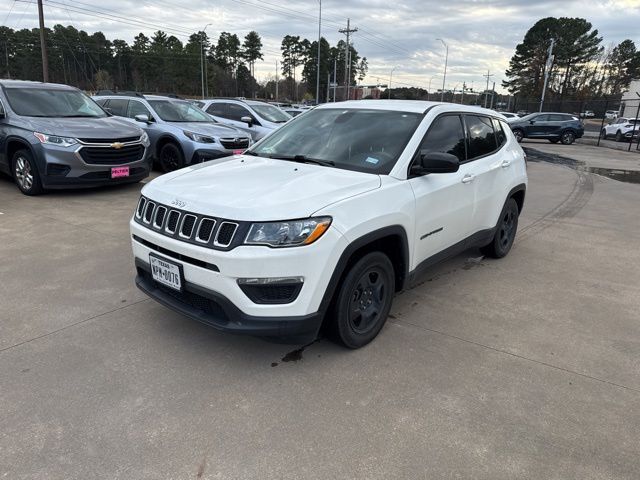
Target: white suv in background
{"points": [[622, 128], [323, 221], [256, 118]]}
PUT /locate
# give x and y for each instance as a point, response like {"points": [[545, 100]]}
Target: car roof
{"points": [[32, 84], [416, 106]]}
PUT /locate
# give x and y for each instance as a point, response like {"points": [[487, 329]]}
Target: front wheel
{"points": [[505, 231], [568, 137], [519, 134], [26, 173], [171, 158], [618, 136], [363, 302]]}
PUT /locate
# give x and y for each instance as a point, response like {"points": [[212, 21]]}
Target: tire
{"points": [[554, 140], [519, 134], [363, 301], [568, 137], [170, 157], [505, 231], [618, 136], [603, 134], [25, 173]]}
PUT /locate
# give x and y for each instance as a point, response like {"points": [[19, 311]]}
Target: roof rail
{"points": [[124, 93]]}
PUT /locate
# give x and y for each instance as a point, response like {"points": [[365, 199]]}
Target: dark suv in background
{"points": [[54, 136], [555, 127]]}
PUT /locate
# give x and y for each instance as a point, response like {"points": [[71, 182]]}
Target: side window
{"points": [[118, 106], [218, 109], [445, 135], [482, 137], [542, 118], [137, 108], [558, 118], [501, 136], [236, 112]]}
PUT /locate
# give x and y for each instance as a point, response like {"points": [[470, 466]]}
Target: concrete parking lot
{"points": [[527, 367]]}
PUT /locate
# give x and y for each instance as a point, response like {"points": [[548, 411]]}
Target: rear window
{"points": [[482, 137]]}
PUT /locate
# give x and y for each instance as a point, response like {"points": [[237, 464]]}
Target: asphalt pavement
{"points": [[526, 367]]}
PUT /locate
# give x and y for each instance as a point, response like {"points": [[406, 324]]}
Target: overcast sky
{"points": [[481, 34]]}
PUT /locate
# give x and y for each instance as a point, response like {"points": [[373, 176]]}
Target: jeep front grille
{"points": [[216, 233]]}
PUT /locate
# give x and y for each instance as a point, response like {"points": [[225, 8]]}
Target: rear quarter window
{"points": [[481, 135]]}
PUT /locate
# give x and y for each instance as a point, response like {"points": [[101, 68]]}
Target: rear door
{"points": [[444, 202], [492, 166], [538, 126]]}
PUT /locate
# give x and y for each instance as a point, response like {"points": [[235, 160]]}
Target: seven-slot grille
{"points": [[231, 143], [186, 226]]}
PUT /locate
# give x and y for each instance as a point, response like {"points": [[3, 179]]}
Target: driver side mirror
{"points": [[436, 162], [247, 120], [142, 118], [532, 122]]}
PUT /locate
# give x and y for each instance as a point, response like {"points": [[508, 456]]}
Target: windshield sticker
{"points": [[372, 160]]}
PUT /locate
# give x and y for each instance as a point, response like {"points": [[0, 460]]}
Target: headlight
{"points": [[196, 137], [55, 140], [289, 233], [144, 138]]}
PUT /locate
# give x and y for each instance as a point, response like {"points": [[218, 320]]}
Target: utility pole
{"points": [[335, 79], [202, 79], [347, 65], [464, 86], [493, 94], [43, 45], [328, 82], [276, 80], [319, 37], [547, 69], [446, 60], [486, 94]]}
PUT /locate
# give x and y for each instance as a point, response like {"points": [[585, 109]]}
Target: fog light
{"points": [[275, 290]]}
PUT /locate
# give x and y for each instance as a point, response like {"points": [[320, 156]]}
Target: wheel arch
{"points": [[13, 144], [163, 140], [518, 193], [391, 240]]}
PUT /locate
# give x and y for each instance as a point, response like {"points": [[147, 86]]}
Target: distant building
{"points": [[365, 91], [630, 100]]}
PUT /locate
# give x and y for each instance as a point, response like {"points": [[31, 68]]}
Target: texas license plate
{"points": [[166, 273], [119, 172], [238, 152]]}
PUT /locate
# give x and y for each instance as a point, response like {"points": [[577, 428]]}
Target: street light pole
{"points": [[202, 57], [319, 36], [390, 76], [446, 60], [429, 92]]}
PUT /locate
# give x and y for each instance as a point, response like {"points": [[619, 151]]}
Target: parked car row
{"points": [[55, 136]]}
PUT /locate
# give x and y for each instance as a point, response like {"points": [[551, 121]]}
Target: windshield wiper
{"points": [[77, 116], [304, 159], [251, 153]]}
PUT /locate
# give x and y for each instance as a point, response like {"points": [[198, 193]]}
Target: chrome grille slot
{"points": [[172, 222], [161, 213], [186, 228], [225, 234], [205, 229], [148, 212], [140, 209]]}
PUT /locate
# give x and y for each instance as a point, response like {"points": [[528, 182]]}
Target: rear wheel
{"points": [[363, 302], [25, 173], [568, 137], [505, 231], [171, 157], [519, 134]]}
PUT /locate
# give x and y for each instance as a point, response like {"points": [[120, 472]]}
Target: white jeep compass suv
{"points": [[323, 221]]}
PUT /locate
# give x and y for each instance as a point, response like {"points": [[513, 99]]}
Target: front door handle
{"points": [[506, 163], [468, 178]]}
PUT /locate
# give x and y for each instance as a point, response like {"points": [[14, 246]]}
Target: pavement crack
{"points": [[80, 322], [521, 357]]}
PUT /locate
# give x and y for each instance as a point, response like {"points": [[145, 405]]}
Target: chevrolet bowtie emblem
{"points": [[117, 145]]}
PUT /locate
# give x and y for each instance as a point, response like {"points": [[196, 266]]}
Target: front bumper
{"points": [[61, 167], [212, 276], [215, 310]]}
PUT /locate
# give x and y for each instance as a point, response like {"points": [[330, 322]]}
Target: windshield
{"points": [[179, 111], [361, 140], [271, 113], [43, 102]]}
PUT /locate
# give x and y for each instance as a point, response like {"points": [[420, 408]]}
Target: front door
{"points": [[444, 201]]}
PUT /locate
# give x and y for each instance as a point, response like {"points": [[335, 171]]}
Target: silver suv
{"points": [[180, 133], [252, 116], [54, 136]]}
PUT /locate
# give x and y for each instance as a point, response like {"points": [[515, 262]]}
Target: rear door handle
{"points": [[506, 163], [468, 178]]}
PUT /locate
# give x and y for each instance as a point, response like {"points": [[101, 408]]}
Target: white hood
{"points": [[258, 189]]}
